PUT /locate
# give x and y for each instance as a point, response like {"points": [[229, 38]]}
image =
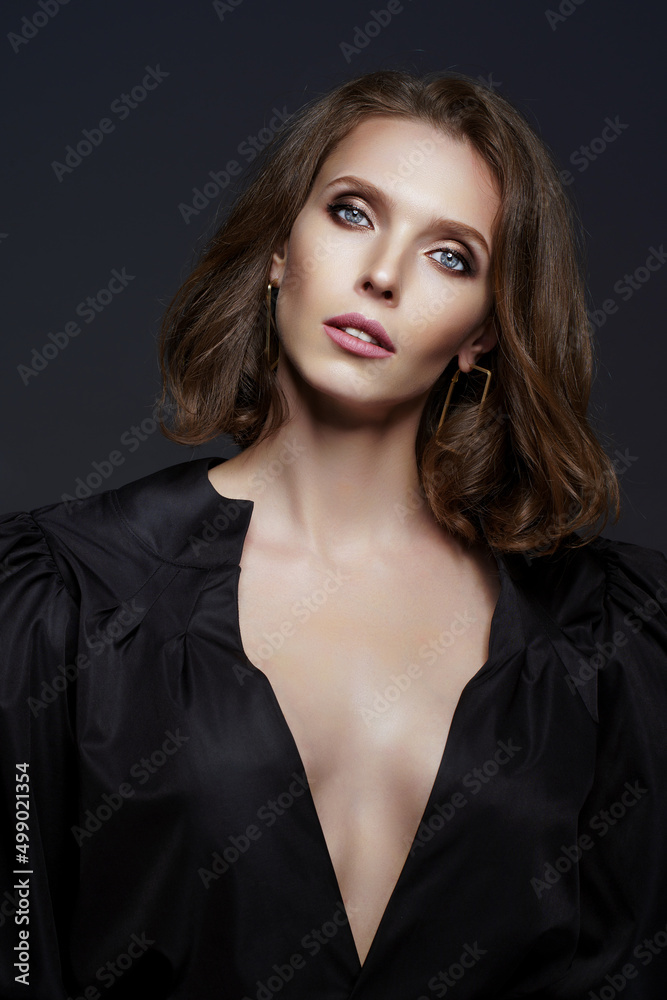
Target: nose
{"points": [[381, 275]]}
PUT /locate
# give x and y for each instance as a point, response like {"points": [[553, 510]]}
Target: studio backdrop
{"points": [[129, 127]]}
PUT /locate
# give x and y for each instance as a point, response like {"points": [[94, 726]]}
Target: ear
{"points": [[481, 340], [278, 262]]}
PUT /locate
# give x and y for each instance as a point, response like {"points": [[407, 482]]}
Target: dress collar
{"points": [[177, 514], [181, 518]]}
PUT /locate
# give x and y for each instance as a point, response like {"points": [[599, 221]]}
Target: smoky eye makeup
{"points": [[471, 243], [352, 215]]}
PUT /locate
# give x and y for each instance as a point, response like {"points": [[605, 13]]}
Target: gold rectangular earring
{"points": [[449, 396], [267, 346]]}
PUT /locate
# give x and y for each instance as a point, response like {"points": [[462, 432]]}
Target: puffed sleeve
{"points": [[38, 854], [623, 829]]}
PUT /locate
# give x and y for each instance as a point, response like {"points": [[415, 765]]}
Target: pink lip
{"points": [[369, 326]]}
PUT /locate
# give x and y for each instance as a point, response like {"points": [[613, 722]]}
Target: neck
{"points": [[339, 475]]}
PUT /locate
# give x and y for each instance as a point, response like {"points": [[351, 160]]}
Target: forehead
{"points": [[424, 170]]}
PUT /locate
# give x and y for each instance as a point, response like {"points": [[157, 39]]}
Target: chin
{"points": [[337, 379]]}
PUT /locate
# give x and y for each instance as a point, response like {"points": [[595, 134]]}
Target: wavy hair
{"points": [[526, 471]]}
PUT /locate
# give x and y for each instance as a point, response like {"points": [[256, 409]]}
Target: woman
{"points": [[418, 741]]}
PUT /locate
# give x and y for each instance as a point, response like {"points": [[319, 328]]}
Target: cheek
{"points": [[310, 258], [442, 317]]}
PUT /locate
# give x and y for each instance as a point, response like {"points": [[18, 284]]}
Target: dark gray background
{"points": [[226, 76]]}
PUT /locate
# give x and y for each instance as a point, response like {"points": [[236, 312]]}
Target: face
{"points": [[397, 228]]}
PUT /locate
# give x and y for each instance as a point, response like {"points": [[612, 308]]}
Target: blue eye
{"points": [[352, 215], [456, 256], [353, 210]]}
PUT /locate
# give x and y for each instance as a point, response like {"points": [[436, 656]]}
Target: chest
{"points": [[344, 648], [367, 666]]}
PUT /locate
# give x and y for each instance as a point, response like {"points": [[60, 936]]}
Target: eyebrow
{"points": [[371, 191]]}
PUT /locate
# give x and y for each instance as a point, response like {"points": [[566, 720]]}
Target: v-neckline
{"points": [[484, 671]]}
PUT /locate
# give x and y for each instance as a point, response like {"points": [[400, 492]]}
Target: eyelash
{"points": [[336, 206]]}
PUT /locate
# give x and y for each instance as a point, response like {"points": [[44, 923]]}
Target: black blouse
{"points": [[173, 849]]}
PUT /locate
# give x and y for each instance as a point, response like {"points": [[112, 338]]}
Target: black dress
{"points": [[174, 848]]}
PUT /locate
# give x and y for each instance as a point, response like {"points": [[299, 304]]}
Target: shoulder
{"points": [[628, 604], [172, 516], [594, 582], [631, 636], [604, 606], [633, 570]]}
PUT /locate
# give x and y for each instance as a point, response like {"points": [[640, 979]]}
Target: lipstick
{"points": [[384, 347]]}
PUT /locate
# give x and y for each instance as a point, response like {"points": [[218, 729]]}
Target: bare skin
{"points": [[338, 508]]}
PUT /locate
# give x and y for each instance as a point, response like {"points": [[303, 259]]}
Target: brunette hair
{"points": [[530, 473]]}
